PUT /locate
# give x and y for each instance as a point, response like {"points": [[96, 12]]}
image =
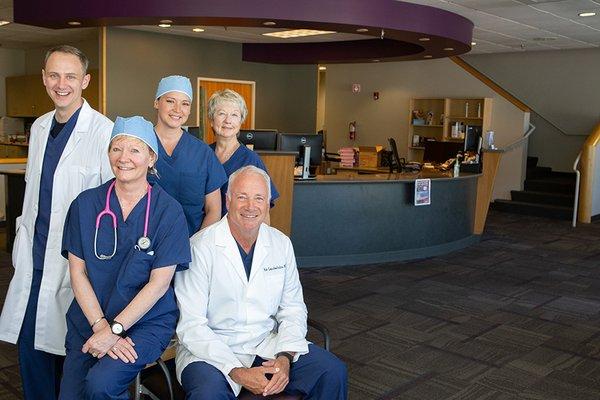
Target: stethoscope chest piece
{"points": [[144, 243]]}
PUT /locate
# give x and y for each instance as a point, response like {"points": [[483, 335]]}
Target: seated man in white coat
{"points": [[243, 317]]}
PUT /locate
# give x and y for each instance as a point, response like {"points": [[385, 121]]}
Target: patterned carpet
{"points": [[516, 316]]}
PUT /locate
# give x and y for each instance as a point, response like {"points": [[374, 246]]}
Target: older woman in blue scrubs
{"points": [[187, 168], [124, 243], [227, 112]]}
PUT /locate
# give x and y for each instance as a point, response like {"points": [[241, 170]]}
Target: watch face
{"points": [[116, 328]]}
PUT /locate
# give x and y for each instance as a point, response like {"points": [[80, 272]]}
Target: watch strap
{"points": [[123, 333]]}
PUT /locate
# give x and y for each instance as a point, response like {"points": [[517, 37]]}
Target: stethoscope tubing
{"points": [[108, 211]]}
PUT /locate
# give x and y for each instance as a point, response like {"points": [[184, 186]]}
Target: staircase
{"points": [[547, 194]]}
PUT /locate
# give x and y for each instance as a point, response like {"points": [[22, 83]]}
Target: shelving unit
{"points": [[446, 112]]}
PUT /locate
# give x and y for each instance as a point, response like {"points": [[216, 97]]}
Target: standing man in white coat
{"points": [[67, 154], [243, 317]]}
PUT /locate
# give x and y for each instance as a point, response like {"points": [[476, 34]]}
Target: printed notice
{"points": [[422, 192]]}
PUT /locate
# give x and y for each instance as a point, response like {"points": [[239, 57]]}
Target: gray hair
{"points": [[65, 48], [249, 169], [226, 95]]}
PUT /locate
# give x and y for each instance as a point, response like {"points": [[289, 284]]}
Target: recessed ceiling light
{"points": [[2, 23], [424, 39], [164, 25], [166, 21], [198, 30], [360, 30], [269, 23], [473, 43], [427, 56], [587, 14], [74, 23], [297, 33], [448, 48], [322, 68], [376, 60]]}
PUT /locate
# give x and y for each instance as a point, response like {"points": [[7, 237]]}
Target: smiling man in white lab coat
{"points": [[67, 154], [243, 317]]}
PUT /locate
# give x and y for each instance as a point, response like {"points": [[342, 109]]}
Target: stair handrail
{"points": [[576, 200], [520, 140]]}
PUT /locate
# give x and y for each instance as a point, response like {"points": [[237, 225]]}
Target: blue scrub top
{"points": [[240, 158], [54, 149], [118, 280], [189, 174]]}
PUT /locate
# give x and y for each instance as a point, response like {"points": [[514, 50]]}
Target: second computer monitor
{"points": [[260, 139], [296, 142]]}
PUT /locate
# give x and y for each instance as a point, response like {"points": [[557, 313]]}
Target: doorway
{"points": [[208, 86]]}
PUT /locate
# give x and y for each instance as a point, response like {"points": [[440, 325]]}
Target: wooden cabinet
{"points": [[26, 95], [445, 120]]}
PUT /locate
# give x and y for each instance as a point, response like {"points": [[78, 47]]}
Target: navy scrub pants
{"points": [[318, 375], [40, 371], [88, 378]]}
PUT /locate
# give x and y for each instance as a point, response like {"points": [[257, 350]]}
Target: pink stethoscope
{"points": [[143, 242]]}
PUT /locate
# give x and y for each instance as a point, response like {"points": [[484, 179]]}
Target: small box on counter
{"points": [[369, 156]]}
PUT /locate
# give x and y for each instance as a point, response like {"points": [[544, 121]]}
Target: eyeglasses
{"points": [[233, 116]]}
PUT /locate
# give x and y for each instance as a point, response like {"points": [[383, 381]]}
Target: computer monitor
{"points": [[397, 162], [441, 151], [297, 141], [472, 135], [195, 131], [260, 139]]}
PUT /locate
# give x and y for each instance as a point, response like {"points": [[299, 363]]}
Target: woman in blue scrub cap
{"points": [[187, 168], [124, 243], [226, 112]]}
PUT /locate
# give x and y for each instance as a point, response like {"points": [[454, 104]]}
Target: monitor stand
{"points": [[305, 166]]}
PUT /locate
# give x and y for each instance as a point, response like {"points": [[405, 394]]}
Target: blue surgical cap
{"points": [[174, 83], [136, 127]]}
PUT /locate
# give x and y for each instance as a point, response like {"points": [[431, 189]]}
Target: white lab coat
{"points": [[226, 319], [83, 164]]}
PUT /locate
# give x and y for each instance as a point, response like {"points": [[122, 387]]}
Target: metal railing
{"points": [[520, 140], [577, 179]]}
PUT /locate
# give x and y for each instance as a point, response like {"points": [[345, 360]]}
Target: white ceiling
{"points": [[500, 26]]}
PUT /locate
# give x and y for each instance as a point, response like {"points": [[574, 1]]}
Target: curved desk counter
{"points": [[350, 219]]}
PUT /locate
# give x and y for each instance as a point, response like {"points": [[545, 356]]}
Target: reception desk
{"points": [[351, 218]]}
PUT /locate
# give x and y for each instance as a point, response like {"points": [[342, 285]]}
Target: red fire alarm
{"points": [[375, 95]]}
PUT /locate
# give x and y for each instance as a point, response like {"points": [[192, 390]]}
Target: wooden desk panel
{"points": [[281, 170]]}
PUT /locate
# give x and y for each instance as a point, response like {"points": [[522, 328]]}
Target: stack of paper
{"points": [[346, 156]]}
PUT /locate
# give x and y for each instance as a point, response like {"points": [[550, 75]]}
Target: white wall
{"points": [[12, 62], [561, 86], [397, 83]]}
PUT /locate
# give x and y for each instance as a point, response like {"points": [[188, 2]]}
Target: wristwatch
{"points": [[117, 328], [286, 355]]}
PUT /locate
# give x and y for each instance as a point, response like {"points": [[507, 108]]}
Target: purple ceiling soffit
{"points": [[400, 21], [329, 52]]}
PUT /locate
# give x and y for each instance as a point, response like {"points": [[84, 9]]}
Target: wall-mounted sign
{"points": [[422, 192], [356, 88]]}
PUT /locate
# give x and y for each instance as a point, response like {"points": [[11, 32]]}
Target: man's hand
{"points": [[280, 378], [253, 379]]}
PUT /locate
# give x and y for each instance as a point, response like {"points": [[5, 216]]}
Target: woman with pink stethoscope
{"points": [[124, 241]]}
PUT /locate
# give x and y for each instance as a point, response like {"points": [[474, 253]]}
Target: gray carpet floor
{"points": [[516, 316]]}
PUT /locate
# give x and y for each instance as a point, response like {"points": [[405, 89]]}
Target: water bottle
{"points": [[490, 140]]}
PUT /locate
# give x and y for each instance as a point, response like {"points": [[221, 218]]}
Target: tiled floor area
{"points": [[516, 316]]}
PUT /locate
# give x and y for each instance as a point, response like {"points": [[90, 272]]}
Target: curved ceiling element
{"points": [[399, 30]]}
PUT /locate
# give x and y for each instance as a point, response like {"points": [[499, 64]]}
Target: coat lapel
{"points": [[261, 250], [229, 250], [81, 128]]}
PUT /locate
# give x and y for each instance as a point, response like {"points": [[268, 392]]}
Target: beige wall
{"points": [[34, 58], [397, 83], [285, 94], [561, 86], [12, 62]]}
